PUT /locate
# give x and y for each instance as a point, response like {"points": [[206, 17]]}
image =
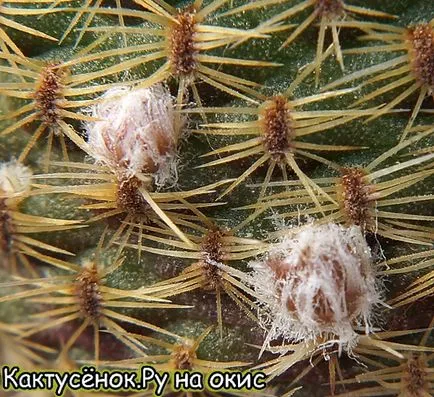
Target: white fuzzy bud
{"points": [[15, 179], [137, 133], [319, 283]]}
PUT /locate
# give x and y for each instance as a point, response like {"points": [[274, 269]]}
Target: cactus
{"points": [[211, 186]]}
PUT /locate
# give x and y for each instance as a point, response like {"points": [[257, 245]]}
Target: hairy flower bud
{"points": [[319, 283], [136, 132], [14, 179]]}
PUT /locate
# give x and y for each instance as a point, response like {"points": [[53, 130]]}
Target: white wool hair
{"points": [[133, 124], [15, 178], [312, 257]]}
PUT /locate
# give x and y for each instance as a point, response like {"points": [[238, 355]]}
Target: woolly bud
{"points": [[137, 132], [320, 283], [15, 179]]}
